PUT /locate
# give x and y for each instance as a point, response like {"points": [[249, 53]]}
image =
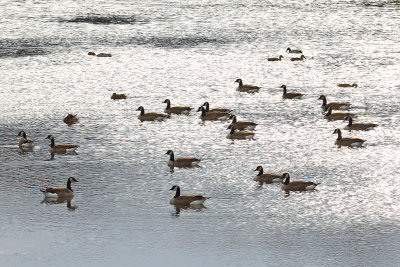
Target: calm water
{"points": [[191, 52]]}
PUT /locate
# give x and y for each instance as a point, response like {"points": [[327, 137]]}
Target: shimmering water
{"points": [[192, 52]]}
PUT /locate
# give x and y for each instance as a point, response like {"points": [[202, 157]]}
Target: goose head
{"points": [[259, 168], [169, 152], [167, 101], [72, 180], [174, 188], [238, 81], [50, 137], [22, 134]]}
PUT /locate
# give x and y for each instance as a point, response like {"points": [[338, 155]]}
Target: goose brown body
{"points": [[242, 125], [267, 178], [333, 105], [275, 58], [358, 126], [301, 58], [207, 107], [290, 95], [25, 142], [103, 55], [151, 116], [246, 87], [179, 199], [118, 96], [70, 119], [239, 134], [293, 51], [288, 185], [212, 115], [62, 148], [347, 85], [177, 109], [330, 116], [347, 141], [60, 191], [181, 162]]}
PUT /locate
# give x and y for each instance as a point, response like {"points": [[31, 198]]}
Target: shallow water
{"points": [[193, 52]]}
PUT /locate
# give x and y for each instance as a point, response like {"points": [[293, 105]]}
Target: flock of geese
{"points": [[239, 130]]}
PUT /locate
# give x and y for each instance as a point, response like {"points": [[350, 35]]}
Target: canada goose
{"points": [[301, 58], [151, 116], [347, 85], [104, 55], [358, 126], [71, 119], [294, 51], [181, 162], [242, 125], [333, 105], [207, 105], [24, 142], [186, 199], [275, 58], [118, 96], [347, 141], [91, 53], [267, 178], [239, 134], [212, 116], [290, 95], [336, 116], [53, 192], [63, 148], [177, 109], [296, 185], [246, 87]]}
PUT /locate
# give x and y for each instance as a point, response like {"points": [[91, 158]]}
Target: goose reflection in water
{"points": [[60, 200], [178, 208], [61, 154]]}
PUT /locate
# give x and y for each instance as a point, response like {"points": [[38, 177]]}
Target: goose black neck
{"points": [[240, 83], [207, 106], [178, 192], [171, 156], [203, 112], [323, 101], [339, 135], [232, 130], [234, 119], [350, 122], [142, 111], [260, 172], [168, 104], [69, 185], [24, 135], [329, 112], [287, 180], [52, 144], [284, 90]]}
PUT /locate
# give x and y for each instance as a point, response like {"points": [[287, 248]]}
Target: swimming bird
{"points": [[151, 116], [54, 192], [242, 125], [71, 119], [186, 199], [91, 53], [104, 55], [118, 96], [25, 142], [288, 185], [301, 58], [212, 115], [290, 95], [333, 105], [267, 178], [294, 51], [275, 58], [358, 126], [207, 105], [347, 85], [177, 109], [347, 141], [336, 116], [63, 148], [181, 162], [239, 134], [246, 87]]}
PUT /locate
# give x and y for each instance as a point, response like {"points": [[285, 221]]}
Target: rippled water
{"points": [[192, 52]]}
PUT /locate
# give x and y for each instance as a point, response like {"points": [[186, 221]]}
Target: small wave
{"points": [[104, 19], [174, 42], [26, 47]]}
